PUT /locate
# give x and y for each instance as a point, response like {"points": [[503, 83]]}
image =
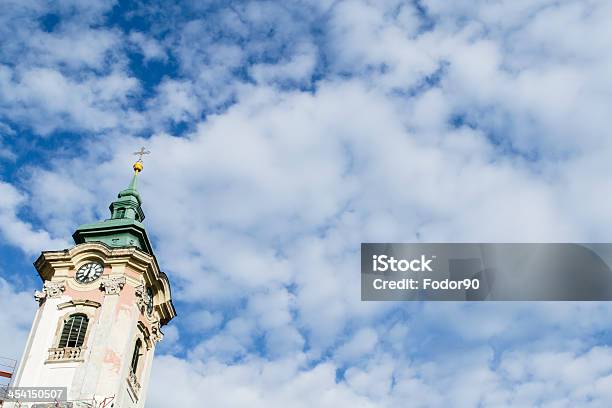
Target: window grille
{"points": [[73, 334]]}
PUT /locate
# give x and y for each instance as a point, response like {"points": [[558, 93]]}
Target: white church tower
{"points": [[102, 307]]}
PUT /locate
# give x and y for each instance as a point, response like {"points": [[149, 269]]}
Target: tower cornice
{"points": [[49, 262]]}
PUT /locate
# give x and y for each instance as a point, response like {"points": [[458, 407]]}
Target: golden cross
{"points": [[141, 153]]}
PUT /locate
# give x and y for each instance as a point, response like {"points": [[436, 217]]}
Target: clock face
{"points": [[149, 300], [89, 272]]}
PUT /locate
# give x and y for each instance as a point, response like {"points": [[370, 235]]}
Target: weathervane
{"points": [[138, 165]]}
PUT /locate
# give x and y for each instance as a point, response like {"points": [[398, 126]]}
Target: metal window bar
{"points": [[73, 334]]}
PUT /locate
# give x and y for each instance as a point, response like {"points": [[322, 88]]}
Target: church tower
{"points": [[101, 310]]}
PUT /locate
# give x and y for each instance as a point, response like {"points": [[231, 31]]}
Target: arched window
{"points": [[136, 355], [73, 334]]}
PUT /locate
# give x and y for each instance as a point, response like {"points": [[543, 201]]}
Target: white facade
{"points": [[115, 304]]}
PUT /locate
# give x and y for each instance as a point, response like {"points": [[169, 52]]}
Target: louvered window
{"points": [[73, 334]]}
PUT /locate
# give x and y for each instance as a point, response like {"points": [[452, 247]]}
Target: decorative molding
{"points": [[61, 263], [113, 285], [54, 289], [156, 333], [142, 298], [50, 290], [78, 302], [40, 296]]}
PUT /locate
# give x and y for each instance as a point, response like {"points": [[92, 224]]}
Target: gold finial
{"points": [[138, 165]]}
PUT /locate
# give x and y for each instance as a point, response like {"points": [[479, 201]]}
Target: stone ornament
{"points": [[156, 333], [50, 290], [40, 296], [54, 289], [113, 285], [141, 297]]}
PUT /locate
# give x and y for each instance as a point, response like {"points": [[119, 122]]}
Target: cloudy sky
{"points": [[283, 134]]}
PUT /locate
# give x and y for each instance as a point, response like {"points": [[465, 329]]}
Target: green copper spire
{"points": [[131, 190], [124, 228], [128, 203]]}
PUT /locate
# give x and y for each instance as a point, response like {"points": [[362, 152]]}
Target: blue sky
{"points": [[283, 134]]}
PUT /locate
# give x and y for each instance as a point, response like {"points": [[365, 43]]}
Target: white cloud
{"points": [[18, 310], [59, 201], [17, 232], [373, 40], [204, 320], [175, 100], [463, 379], [482, 124], [299, 68], [255, 384], [150, 48], [6, 152], [69, 76], [361, 344], [50, 100], [74, 47]]}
